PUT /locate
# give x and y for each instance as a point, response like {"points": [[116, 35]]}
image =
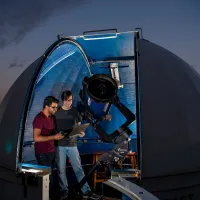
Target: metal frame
{"points": [[137, 86]]}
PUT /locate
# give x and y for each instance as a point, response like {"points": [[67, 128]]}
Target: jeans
{"points": [[47, 159], [74, 157]]}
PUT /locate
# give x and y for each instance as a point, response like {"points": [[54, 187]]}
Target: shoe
{"points": [[91, 195], [63, 195]]}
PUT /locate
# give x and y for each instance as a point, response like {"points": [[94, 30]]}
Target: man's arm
{"points": [[40, 138], [78, 121]]}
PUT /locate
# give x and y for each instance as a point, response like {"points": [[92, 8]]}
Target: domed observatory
{"points": [[109, 58], [66, 66], [151, 95]]}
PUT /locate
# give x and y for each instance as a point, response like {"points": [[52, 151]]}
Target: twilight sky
{"points": [[28, 28]]}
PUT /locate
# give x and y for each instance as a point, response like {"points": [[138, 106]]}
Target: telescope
{"points": [[98, 94]]}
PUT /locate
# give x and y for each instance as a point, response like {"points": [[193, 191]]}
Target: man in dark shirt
{"points": [[66, 118], [44, 133]]}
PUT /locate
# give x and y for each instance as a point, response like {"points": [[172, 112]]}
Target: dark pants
{"points": [[47, 159]]}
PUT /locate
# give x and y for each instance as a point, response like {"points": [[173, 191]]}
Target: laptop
{"points": [[76, 130]]}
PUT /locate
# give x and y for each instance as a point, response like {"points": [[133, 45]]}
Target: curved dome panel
{"points": [[11, 111], [170, 96]]}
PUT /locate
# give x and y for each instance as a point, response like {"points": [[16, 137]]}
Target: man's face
{"points": [[52, 108], [68, 102]]}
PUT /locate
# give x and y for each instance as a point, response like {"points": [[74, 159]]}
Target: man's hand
{"points": [[82, 134], [108, 117], [58, 136]]}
